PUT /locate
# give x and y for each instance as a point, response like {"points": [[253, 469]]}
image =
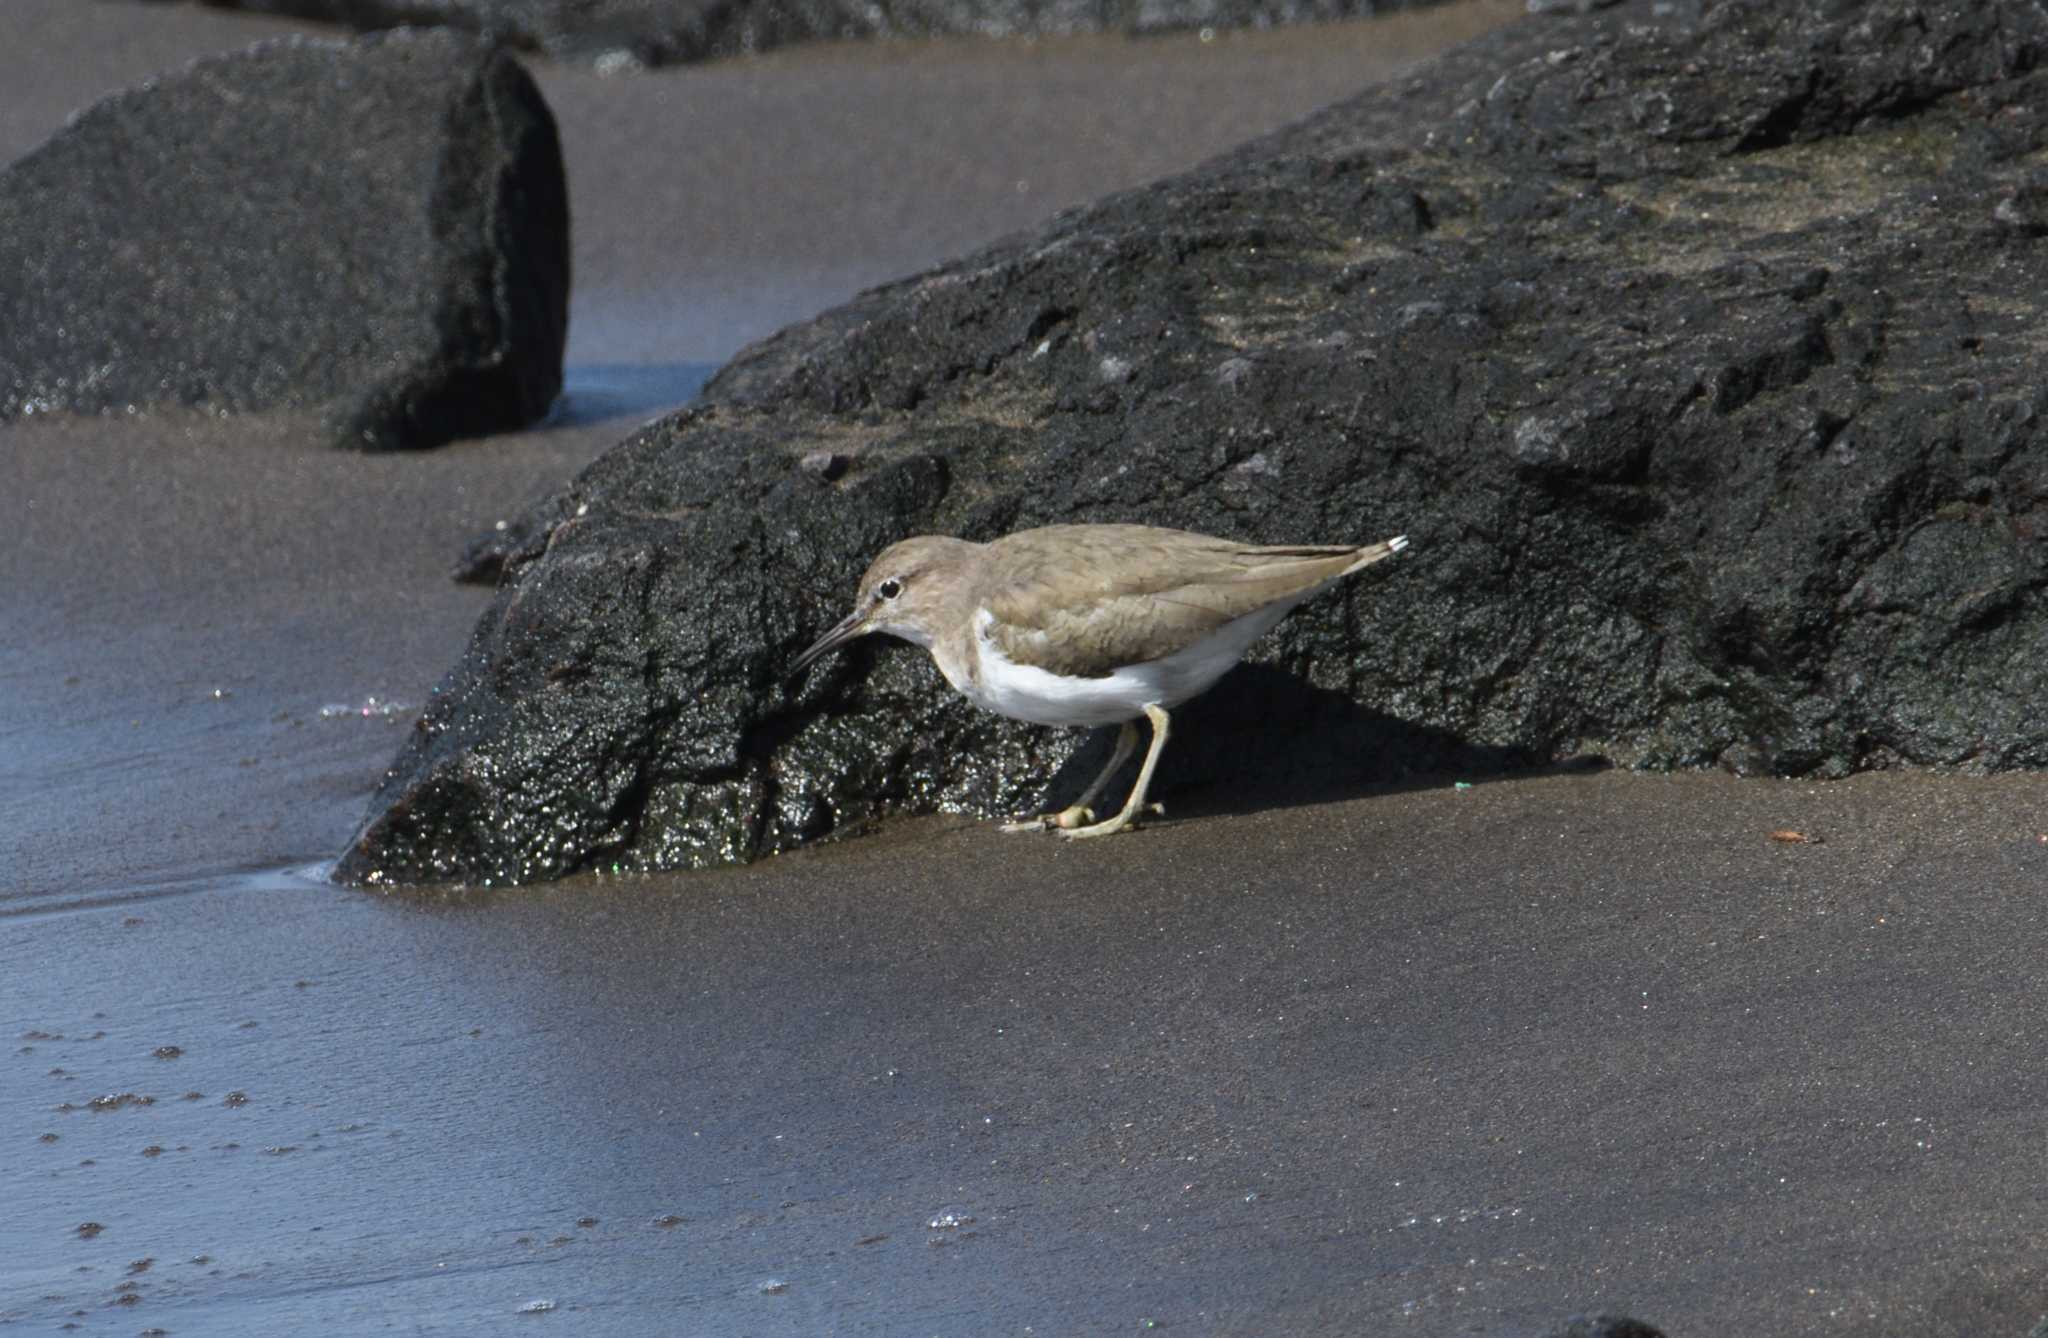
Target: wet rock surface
{"points": [[1698, 359], [375, 231], [662, 32]]}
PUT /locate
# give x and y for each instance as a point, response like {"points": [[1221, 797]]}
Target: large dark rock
{"points": [[374, 230], [1703, 364], [660, 32]]}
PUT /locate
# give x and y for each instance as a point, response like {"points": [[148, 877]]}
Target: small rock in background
{"points": [[373, 231], [1604, 1326], [620, 36]]}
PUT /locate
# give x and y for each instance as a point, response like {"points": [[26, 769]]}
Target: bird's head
{"points": [[906, 593]]}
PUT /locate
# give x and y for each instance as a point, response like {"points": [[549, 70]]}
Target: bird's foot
{"points": [[1066, 820], [1127, 818]]}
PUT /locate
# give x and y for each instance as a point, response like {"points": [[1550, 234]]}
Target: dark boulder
{"points": [[661, 32], [375, 231], [1702, 363]]}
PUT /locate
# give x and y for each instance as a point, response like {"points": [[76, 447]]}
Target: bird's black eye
{"points": [[890, 588]]}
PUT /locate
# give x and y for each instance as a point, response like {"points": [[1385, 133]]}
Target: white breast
{"points": [[1025, 692]]}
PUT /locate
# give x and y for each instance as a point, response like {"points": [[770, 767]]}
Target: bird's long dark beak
{"points": [[852, 625]]}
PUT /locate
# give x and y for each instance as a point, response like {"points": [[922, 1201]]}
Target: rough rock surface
{"points": [[661, 32], [374, 230], [1702, 362]]}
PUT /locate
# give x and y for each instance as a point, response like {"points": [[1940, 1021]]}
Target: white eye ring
{"points": [[890, 588]]}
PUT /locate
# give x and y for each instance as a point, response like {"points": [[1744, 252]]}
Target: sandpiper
{"points": [[1089, 625]]}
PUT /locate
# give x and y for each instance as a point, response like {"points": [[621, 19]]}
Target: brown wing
{"points": [[1084, 599]]}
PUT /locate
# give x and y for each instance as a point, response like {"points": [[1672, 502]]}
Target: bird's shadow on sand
{"points": [[1263, 739]]}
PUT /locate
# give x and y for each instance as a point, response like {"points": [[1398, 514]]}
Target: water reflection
{"points": [[602, 392]]}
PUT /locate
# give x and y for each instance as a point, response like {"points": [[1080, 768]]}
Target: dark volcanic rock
{"points": [[660, 32], [376, 230], [1702, 364]]}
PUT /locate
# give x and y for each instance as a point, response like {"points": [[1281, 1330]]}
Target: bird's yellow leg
{"points": [[1078, 812], [1136, 803]]}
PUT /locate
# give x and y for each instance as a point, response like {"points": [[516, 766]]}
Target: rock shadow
{"points": [[1263, 738]]}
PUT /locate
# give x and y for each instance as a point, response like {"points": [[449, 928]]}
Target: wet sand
{"points": [[1420, 1060], [1432, 1061]]}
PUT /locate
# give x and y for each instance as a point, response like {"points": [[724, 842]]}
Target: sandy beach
{"points": [[1419, 1060]]}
